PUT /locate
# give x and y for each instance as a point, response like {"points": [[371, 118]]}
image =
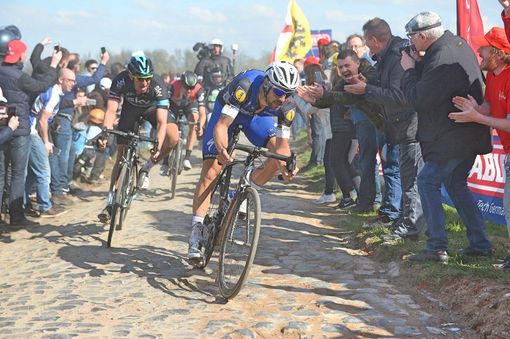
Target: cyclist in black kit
{"points": [[143, 93], [187, 98]]}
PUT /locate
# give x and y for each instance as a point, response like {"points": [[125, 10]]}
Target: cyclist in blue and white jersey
{"points": [[250, 101]]}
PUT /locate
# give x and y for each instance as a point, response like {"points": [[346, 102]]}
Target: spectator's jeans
{"points": [[38, 173], [411, 163], [70, 162], [339, 157], [99, 164], [453, 174], [318, 141], [506, 196], [329, 174], [392, 196], [370, 187], [16, 149], [62, 139]]}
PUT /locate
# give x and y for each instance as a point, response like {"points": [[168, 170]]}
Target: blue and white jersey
{"points": [[48, 101], [241, 96]]}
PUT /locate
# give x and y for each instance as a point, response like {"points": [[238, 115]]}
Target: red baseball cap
{"points": [[323, 42], [496, 37], [312, 60], [15, 49]]}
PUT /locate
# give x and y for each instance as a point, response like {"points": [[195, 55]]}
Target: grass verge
{"points": [[430, 275]]}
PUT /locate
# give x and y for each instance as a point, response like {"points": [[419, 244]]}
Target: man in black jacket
{"points": [[400, 121], [449, 68], [17, 86]]}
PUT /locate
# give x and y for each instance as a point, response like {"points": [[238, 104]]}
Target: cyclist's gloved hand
{"points": [[102, 141], [199, 128], [225, 158], [155, 153], [289, 168]]}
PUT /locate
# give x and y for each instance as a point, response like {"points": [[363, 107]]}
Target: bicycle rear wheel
{"points": [[212, 220], [117, 204], [239, 242]]}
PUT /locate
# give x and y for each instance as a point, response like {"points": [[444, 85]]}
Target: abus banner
{"points": [[487, 181]]}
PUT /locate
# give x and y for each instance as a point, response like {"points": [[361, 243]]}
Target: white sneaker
{"points": [[144, 179], [164, 170], [325, 199], [186, 164], [194, 243]]}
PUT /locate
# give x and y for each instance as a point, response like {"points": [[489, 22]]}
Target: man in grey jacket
{"points": [[400, 120]]}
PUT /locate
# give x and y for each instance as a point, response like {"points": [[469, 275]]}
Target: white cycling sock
{"points": [[197, 219]]}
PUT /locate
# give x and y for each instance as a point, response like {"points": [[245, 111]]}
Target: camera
{"points": [[103, 50], [202, 50], [407, 47], [6, 112]]}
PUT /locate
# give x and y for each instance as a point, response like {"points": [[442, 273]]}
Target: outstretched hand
{"points": [[311, 93], [469, 115], [465, 104]]}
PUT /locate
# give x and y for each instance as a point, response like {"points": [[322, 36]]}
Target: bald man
{"points": [[45, 107]]}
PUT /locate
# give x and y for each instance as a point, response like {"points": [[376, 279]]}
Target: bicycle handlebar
{"points": [[290, 161], [131, 135]]}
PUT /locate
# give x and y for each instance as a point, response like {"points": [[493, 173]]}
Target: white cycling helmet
{"points": [[216, 41], [283, 75]]}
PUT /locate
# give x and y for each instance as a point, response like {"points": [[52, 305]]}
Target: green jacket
{"points": [[337, 95]]}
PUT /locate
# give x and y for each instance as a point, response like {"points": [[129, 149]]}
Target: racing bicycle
{"points": [[126, 186], [233, 219]]}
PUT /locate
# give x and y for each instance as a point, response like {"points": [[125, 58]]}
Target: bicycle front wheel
{"points": [[241, 229], [130, 187], [174, 168], [119, 192]]}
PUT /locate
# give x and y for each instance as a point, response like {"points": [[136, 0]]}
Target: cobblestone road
{"points": [[58, 280]]}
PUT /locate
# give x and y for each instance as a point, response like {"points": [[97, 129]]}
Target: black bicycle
{"points": [[233, 218], [176, 157], [126, 185]]}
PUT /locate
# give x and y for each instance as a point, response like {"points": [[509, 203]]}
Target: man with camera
{"points": [[17, 87], [8, 118], [444, 66], [403, 211], [213, 58], [62, 133]]}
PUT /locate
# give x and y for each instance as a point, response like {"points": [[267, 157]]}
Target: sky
{"points": [[85, 26]]}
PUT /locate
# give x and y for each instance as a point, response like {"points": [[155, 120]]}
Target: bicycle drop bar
{"points": [[131, 135], [262, 151]]}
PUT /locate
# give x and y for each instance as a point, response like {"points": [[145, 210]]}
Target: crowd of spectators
{"points": [[400, 98], [416, 104]]}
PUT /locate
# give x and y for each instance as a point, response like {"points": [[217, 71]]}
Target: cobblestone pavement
{"points": [[58, 280]]}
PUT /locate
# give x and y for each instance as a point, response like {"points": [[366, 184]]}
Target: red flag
{"points": [[469, 22]]}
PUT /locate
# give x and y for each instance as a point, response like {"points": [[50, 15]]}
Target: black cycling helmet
{"points": [[6, 36], [189, 79], [140, 66], [15, 31], [216, 77]]}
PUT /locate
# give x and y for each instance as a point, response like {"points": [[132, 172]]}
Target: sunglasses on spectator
{"points": [[409, 35], [279, 92]]}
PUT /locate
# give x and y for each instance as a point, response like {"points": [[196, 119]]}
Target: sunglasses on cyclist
{"points": [[278, 92], [188, 87], [142, 79]]}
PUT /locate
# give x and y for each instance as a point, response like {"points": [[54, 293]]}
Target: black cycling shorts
{"points": [[130, 117]]}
